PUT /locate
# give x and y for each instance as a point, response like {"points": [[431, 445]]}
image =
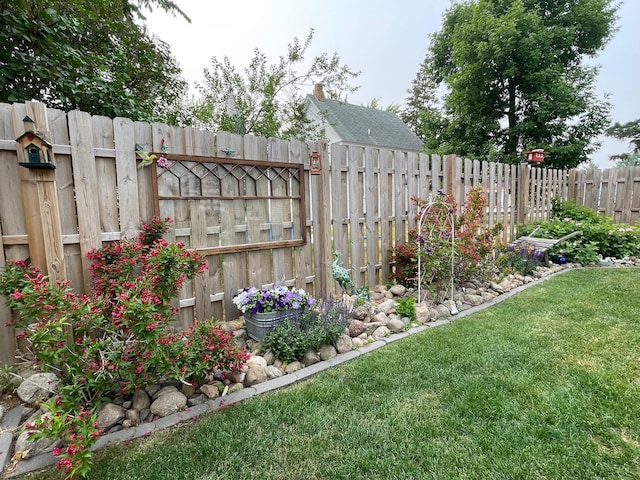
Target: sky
{"points": [[385, 40]]}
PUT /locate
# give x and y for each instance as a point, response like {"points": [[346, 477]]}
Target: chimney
{"points": [[318, 92]]}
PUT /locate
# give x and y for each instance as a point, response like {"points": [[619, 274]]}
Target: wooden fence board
{"points": [[126, 177], [86, 186], [355, 259], [386, 190], [371, 174]]}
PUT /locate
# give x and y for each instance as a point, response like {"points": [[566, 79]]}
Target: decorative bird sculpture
{"points": [[341, 275], [146, 158]]}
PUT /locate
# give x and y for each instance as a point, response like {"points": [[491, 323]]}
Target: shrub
{"points": [[290, 340], [522, 260], [121, 334], [601, 236], [470, 247]]}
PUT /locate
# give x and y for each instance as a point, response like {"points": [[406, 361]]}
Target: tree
{"points": [[514, 79], [87, 54], [628, 131], [266, 100]]}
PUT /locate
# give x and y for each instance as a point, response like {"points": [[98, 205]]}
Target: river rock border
{"points": [[163, 406]]}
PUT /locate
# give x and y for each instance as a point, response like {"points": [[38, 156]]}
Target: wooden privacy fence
{"points": [[249, 204], [614, 192]]}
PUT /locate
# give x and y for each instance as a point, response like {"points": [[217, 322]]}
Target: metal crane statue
{"points": [[341, 275]]}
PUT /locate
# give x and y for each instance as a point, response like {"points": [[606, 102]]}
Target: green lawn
{"points": [[545, 385]]}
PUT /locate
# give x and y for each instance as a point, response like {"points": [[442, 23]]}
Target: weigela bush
{"points": [[445, 233], [118, 338]]}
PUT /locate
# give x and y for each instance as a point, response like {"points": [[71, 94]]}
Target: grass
{"points": [[545, 385]]}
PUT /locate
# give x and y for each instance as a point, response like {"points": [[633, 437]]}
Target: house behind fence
{"points": [[250, 205]]}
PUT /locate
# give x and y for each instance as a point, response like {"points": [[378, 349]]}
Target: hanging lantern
{"points": [[316, 163]]}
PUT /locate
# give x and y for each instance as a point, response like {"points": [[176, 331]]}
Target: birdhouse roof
{"points": [[34, 136]]}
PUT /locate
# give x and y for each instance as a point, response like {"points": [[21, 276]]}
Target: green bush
{"points": [[407, 308], [600, 235], [322, 325]]}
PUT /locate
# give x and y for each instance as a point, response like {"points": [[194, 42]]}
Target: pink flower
{"points": [[162, 162], [16, 295]]}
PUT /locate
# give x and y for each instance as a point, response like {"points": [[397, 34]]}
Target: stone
{"points": [[188, 390], [236, 376], [380, 332], [344, 344], [38, 387], [376, 296], [327, 352], [442, 311], [362, 312], [386, 306], [255, 375], [110, 414], [133, 416], [235, 387], [293, 367], [197, 400], [396, 325], [381, 317], [506, 285], [496, 287], [164, 391], [356, 327], [398, 290], [152, 390], [357, 342], [472, 299], [310, 357], [168, 403], [422, 313], [211, 391], [487, 297], [256, 361], [45, 444], [273, 372], [269, 357], [140, 400]]}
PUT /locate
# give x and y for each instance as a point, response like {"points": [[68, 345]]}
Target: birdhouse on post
{"points": [[535, 156], [34, 150]]}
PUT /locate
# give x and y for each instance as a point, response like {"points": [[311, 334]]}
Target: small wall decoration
{"points": [[316, 163]]}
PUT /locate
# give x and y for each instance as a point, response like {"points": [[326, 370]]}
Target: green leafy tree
{"points": [[266, 100], [628, 131], [514, 78], [92, 55]]}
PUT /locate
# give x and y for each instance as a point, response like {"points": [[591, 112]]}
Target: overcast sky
{"points": [[385, 40]]}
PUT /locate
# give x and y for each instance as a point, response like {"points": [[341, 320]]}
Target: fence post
{"points": [[523, 192], [322, 238], [40, 202], [571, 194]]}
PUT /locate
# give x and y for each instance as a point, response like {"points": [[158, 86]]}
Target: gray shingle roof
{"points": [[368, 126]]}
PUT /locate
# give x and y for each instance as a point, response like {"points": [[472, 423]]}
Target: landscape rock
{"points": [[256, 361], [357, 342], [472, 299], [38, 387], [356, 327], [273, 372], [293, 367], [309, 358], [255, 375], [442, 311], [327, 352], [398, 290], [168, 403], [380, 332], [386, 306], [163, 391], [140, 400], [396, 325], [211, 391], [344, 344], [110, 414]]}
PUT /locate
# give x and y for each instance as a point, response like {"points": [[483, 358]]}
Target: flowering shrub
{"points": [[121, 335], [470, 246], [309, 329], [519, 259], [601, 237], [277, 299]]}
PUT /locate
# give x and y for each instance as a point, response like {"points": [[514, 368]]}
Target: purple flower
{"points": [[162, 162]]}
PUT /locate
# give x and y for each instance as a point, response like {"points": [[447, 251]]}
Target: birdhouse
{"points": [[535, 156], [36, 151], [316, 163]]}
